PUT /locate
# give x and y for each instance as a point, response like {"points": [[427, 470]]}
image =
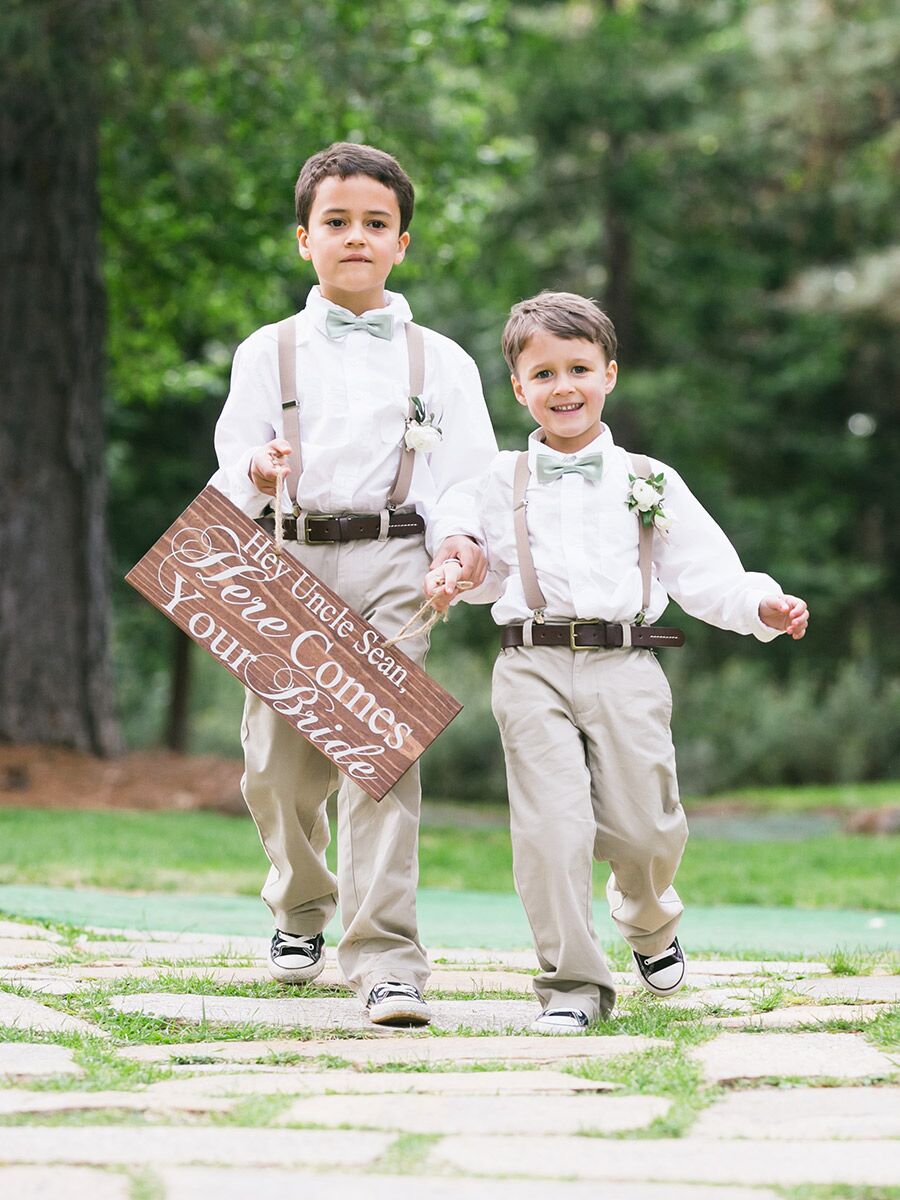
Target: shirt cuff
{"points": [[236, 484], [760, 630], [438, 531]]}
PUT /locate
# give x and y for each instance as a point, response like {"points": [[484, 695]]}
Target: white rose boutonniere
{"points": [[421, 431], [646, 496]]}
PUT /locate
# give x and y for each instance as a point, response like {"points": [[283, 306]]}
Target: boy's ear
{"points": [[303, 243], [518, 390], [403, 243], [612, 374]]}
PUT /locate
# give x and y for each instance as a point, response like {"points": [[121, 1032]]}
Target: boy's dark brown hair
{"points": [[562, 313], [345, 159]]}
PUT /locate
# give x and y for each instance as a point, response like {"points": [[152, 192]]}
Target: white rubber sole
{"points": [[296, 974], [662, 993], [554, 1030], [390, 1012]]}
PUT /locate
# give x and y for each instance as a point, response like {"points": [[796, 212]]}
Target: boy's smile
{"points": [[353, 240], [563, 382]]}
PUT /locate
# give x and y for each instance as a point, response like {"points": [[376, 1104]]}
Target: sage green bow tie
{"points": [[547, 468], [337, 325]]}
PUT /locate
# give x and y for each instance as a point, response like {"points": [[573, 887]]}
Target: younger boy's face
{"points": [[563, 382], [353, 240]]}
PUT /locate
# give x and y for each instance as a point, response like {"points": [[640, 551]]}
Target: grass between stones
{"points": [[839, 1192], [146, 1185]]}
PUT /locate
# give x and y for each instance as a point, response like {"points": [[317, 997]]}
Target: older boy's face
{"points": [[353, 240], [563, 382]]}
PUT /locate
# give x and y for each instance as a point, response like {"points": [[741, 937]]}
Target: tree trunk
{"points": [[177, 728], [55, 681]]}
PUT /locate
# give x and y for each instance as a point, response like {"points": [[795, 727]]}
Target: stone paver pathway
{"points": [[19, 1012], [704, 1160], [849, 1113], [63, 1183], [474, 1107], [760, 1055], [189, 1183], [30, 1060]]}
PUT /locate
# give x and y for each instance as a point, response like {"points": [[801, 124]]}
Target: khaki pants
{"points": [[287, 782], [591, 774]]}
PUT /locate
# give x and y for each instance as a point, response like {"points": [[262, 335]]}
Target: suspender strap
{"points": [[643, 466], [287, 376], [415, 348], [534, 597]]}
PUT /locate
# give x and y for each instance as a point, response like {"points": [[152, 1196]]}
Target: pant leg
{"points": [[625, 707], [378, 841], [552, 825], [286, 782]]}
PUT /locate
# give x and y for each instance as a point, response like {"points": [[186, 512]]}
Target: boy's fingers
{"points": [[452, 569]]}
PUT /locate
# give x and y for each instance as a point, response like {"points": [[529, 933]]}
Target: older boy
{"points": [[348, 367], [586, 544]]}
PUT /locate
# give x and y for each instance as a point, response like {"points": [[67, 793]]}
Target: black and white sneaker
{"points": [[560, 1020], [296, 959], [393, 1003], [663, 973]]}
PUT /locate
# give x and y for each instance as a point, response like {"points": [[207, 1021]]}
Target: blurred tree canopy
{"points": [[719, 176]]}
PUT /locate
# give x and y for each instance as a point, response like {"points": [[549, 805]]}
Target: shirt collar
{"points": [[318, 308], [603, 442]]}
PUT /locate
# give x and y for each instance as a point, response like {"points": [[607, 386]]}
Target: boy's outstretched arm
{"points": [[787, 614]]}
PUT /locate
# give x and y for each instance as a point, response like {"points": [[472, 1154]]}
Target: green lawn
{"points": [[205, 852], [849, 796]]}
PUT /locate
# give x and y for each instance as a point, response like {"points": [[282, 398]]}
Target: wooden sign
{"points": [[294, 642]]}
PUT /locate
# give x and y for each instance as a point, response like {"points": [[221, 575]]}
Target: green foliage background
{"points": [[719, 175]]}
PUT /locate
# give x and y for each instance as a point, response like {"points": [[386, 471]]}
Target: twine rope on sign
{"points": [[280, 475], [427, 620]]}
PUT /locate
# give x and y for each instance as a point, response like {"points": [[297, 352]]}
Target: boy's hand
{"points": [[788, 614], [268, 465], [440, 583], [467, 553]]}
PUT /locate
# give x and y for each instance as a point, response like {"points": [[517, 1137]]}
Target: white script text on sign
{"points": [[294, 642]]}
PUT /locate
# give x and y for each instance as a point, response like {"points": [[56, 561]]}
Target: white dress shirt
{"points": [[584, 540], [353, 394]]}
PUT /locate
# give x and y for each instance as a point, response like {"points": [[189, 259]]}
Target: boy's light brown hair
{"points": [[345, 159], [560, 313]]}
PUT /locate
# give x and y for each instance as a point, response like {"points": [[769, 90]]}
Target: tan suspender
{"points": [[415, 349], [642, 466], [534, 597], [287, 376]]}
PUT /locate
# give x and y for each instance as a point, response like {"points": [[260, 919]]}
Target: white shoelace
{"points": [[654, 958]]}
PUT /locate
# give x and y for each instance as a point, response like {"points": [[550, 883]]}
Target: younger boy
{"points": [[327, 397], [578, 579]]}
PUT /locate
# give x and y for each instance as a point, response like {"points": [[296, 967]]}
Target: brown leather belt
{"points": [[322, 528], [591, 635]]}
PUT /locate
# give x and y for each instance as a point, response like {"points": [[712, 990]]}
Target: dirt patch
{"points": [[47, 777]]}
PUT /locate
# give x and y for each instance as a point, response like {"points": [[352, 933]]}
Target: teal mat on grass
{"points": [[454, 919]]}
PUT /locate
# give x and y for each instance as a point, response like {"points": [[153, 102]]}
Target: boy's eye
{"points": [[378, 224], [579, 370], [544, 374], [335, 222]]}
